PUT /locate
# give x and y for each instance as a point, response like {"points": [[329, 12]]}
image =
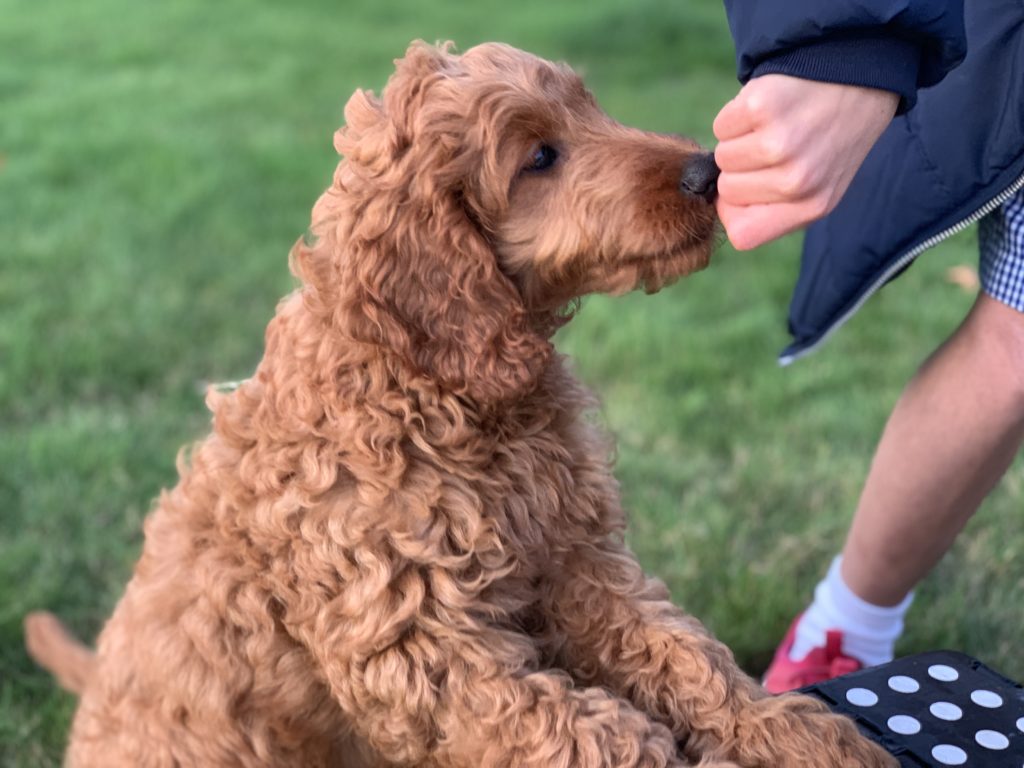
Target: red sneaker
{"points": [[819, 665]]}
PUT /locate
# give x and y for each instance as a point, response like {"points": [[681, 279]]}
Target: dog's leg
{"points": [[617, 628], [472, 700]]}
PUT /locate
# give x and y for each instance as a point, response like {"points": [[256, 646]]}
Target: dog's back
{"points": [[192, 668]]}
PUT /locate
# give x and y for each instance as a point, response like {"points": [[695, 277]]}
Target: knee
{"points": [[996, 335]]}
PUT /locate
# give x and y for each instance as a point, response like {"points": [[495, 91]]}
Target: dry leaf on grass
{"points": [[964, 276]]}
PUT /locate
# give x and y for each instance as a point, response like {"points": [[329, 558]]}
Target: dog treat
{"points": [[934, 709]]}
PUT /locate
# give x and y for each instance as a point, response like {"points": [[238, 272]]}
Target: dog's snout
{"points": [[700, 176]]}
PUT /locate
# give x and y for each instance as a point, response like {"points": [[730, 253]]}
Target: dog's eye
{"points": [[542, 158]]}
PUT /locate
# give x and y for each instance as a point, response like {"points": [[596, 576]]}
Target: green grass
{"points": [[158, 160]]}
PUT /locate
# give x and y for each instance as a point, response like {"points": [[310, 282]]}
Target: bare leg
{"points": [[951, 436]]}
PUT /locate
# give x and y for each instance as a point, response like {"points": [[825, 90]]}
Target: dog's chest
{"points": [[529, 501]]}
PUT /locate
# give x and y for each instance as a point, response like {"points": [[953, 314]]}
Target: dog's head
{"points": [[479, 195]]}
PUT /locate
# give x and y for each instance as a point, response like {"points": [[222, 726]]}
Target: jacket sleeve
{"points": [[896, 45]]}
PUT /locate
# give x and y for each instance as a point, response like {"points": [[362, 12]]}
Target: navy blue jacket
{"points": [[955, 152]]}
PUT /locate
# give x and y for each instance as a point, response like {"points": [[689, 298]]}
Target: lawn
{"points": [[158, 160]]}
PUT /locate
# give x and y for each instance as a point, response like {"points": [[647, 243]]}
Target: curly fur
{"points": [[402, 543]]}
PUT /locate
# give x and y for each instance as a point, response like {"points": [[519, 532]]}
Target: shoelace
{"points": [[835, 664]]}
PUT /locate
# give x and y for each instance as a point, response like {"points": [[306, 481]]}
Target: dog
{"points": [[402, 543]]}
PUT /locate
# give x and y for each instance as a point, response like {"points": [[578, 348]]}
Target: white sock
{"points": [[869, 631]]}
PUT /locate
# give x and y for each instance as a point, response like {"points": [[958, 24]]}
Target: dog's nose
{"points": [[700, 176]]}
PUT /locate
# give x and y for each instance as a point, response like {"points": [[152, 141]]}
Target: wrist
{"points": [[888, 64]]}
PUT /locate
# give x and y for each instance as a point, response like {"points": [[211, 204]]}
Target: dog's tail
{"points": [[56, 650]]}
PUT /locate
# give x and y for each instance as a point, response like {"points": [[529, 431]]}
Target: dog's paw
{"points": [[796, 731], [841, 745]]}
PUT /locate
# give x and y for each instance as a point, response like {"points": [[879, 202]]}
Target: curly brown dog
{"points": [[402, 543]]}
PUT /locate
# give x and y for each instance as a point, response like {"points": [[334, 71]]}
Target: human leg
{"points": [[951, 436]]}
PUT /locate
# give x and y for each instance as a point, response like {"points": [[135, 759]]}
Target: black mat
{"points": [[934, 709]]}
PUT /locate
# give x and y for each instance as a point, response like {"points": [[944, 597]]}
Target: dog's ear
{"points": [[363, 112], [436, 296], [378, 131], [414, 268]]}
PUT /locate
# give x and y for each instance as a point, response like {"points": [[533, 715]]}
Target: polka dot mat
{"points": [[934, 710]]}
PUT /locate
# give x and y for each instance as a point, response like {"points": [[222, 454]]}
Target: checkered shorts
{"points": [[1001, 247]]}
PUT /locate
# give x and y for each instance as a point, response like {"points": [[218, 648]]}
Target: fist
{"points": [[788, 149]]}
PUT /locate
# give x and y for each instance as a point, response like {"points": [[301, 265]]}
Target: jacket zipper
{"points": [[902, 261]]}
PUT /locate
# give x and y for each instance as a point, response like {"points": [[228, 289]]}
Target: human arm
{"points": [[821, 83], [894, 45]]}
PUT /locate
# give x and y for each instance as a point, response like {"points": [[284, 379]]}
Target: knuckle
{"points": [[725, 187], [797, 181], [720, 126], [774, 148], [721, 156], [757, 105], [820, 205], [739, 233], [744, 241]]}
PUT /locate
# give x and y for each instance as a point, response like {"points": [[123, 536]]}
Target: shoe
{"points": [[822, 663]]}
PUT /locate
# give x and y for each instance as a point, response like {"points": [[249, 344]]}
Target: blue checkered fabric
{"points": [[1001, 246]]}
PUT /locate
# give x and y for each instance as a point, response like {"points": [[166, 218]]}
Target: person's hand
{"points": [[788, 149]]}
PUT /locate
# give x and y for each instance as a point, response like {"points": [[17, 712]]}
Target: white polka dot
{"points": [[904, 684], [861, 697], [943, 673], [947, 754], [992, 739], [945, 710], [904, 724], [986, 699], [1020, 724]]}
